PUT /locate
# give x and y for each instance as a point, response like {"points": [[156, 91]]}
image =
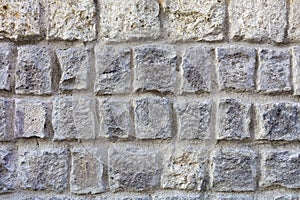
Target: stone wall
{"points": [[150, 99]]}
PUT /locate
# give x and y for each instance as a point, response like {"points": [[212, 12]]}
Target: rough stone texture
{"points": [[178, 197], [43, 169], [75, 66], [6, 119], [73, 118], [279, 121], [125, 197], [274, 71], [196, 66], [8, 169], [69, 20], [232, 197], [152, 118], [113, 70], [32, 118], [286, 197], [34, 70], [280, 168], [155, 68], [19, 19], [240, 167], [193, 119], [184, 169], [194, 20], [257, 20], [235, 68], [7, 57], [233, 119], [133, 168], [296, 69], [127, 20], [114, 118], [294, 20], [87, 171]]}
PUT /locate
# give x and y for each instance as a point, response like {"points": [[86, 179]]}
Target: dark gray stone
{"points": [[7, 56], [8, 168]]}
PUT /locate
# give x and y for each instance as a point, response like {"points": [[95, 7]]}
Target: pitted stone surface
{"points": [[294, 21], [197, 20], [7, 56], [6, 119], [8, 167]]}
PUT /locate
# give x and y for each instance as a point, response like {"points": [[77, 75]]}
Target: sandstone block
{"points": [[294, 21], [68, 20], [113, 70], [274, 71], [34, 70], [152, 118], [296, 69], [6, 119], [235, 68], [233, 119], [194, 20], [155, 68], [128, 20], [8, 169], [73, 118], [280, 168], [7, 55]]}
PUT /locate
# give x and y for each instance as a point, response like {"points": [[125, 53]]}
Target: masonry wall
{"points": [[150, 99]]}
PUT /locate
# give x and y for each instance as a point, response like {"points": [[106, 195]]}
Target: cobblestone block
{"points": [[235, 68], [197, 20], [34, 70], [155, 68], [274, 71], [233, 119], [8, 169], [296, 69], [7, 56], [73, 118], [257, 20], [127, 20], [113, 70], [234, 170], [294, 21], [6, 119], [193, 119], [152, 118], [280, 168], [68, 20]]}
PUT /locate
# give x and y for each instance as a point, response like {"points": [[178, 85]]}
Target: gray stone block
{"points": [[7, 56], [280, 168], [232, 197], [193, 119], [6, 119], [286, 197], [8, 168], [178, 197], [235, 68], [233, 119], [133, 168], [34, 70], [296, 69], [274, 71], [152, 118], [155, 68], [125, 196], [234, 169], [113, 70], [294, 21], [196, 66]]}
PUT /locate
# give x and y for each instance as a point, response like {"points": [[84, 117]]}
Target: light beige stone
{"points": [[294, 20]]}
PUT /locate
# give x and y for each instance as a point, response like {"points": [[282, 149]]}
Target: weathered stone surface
{"points": [[184, 169], [73, 118], [194, 20], [45, 169], [233, 119], [280, 168], [75, 66], [68, 20], [240, 167], [294, 20], [114, 118], [232, 197], [183, 196], [7, 56], [132, 168], [193, 119], [87, 171], [8, 169], [152, 118], [19, 19], [279, 121], [113, 70], [32, 118], [127, 20], [296, 69], [6, 119], [155, 68], [257, 20], [274, 71], [124, 197], [196, 66], [235, 68], [34, 70], [286, 197]]}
